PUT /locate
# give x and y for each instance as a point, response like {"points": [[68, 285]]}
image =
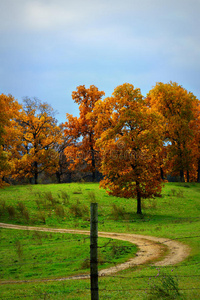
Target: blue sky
{"points": [[49, 47]]}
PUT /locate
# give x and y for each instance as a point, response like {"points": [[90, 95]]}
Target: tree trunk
{"points": [[161, 173], [188, 176], [70, 177], [93, 158], [36, 172], [93, 176], [182, 176], [58, 177], [198, 171], [93, 165], [139, 206]]}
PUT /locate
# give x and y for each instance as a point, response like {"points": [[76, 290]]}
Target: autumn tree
{"points": [[129, 139], [63, 164], [82, 151], [39, 134], [179, 109], [195, 148], [9, 139]]}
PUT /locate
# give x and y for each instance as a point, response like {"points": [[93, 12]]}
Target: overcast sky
{"points": [[49, 47]]}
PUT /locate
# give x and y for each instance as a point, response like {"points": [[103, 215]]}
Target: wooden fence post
{"points": [[94, 251]]}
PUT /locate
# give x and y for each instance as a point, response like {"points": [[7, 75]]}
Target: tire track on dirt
{"points": [[151, 249]]}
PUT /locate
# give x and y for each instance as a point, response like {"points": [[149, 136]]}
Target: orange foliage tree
{"points": [[9, 138], [39, 134], [82, 151], [63, 173], [180, 110], [129, 139], [195, 147]]}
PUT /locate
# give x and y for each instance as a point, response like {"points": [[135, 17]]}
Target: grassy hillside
{"points": [[175, 215]]}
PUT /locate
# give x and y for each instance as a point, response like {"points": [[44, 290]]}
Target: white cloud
{"points": [[55, 14], [42, 15]]}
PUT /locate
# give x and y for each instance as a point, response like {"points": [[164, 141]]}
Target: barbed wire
{"points": [[145, 289], [119, 247], [88, 290], [42, 263], [128, 277], [44, 294], [152, 276], [41, 243], [104, 246]]}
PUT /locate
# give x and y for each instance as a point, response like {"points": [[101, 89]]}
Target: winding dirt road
{"points": [[151, 250]]}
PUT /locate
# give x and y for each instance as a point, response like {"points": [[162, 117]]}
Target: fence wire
{"points": [[117, 277]]}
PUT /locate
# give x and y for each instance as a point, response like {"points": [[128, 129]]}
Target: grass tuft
{"points": [[117, 211], [79, 210], [11, 211]]}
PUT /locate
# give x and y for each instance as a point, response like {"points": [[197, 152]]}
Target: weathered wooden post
{"points": [[94, 251]]}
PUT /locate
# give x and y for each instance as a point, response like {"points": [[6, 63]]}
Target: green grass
{"points": [[175, 215], [36, 255]]}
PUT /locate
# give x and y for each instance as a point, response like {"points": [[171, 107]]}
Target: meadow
{"points": [[26, 255]]}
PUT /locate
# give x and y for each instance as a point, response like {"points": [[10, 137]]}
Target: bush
{"points": [[149, 203], [41, 216], [92, 196], [11, 211], [78, 191], [23, 210], [79, 210], [59, 211], [163, 286], [65, 197], [118, 212], [48, 196]]}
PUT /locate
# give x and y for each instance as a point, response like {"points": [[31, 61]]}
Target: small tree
{"points": [[9, 134], [39, 135], [180, 110], [129, 139], [82, 151]]}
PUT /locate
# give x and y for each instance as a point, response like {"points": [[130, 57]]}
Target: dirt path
{"points": [[151, 249]]}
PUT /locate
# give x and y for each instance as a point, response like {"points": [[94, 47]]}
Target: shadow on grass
{"points": [[150, 218]]}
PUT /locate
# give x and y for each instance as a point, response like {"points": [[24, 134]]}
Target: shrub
{"points": [[26, 215], [11, 211], [118, 212], [79, 210], [178, 193], [149, 203], [38, 203], [3, 204], [92, 196], [21, 206], [163, 286], [78, 191], [59, 211], [41, 216], [48, 196], [23, 210], [65, 197], [173, 191], [85, 264], [116, 250]]}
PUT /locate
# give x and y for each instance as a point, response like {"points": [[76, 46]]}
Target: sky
{"points": [[50, 47]]}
